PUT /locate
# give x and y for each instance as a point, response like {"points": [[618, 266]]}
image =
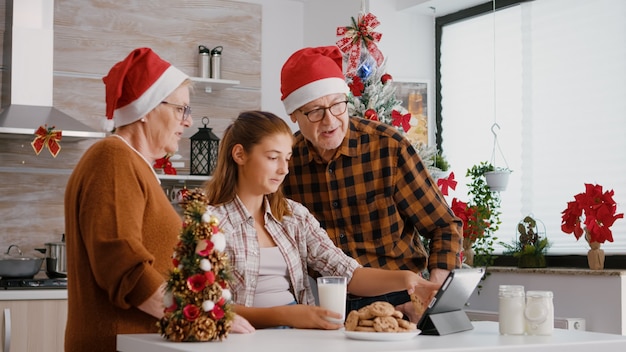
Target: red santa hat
{"points": [[138, 84], [311, 73]]}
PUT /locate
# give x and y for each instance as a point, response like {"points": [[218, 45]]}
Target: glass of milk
{"points": [[332, 292]]}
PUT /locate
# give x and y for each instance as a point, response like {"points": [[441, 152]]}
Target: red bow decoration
{"points": [[401, 120], [447, 182], [47, 137], [360, 33], [357, 86], [165, 164]]}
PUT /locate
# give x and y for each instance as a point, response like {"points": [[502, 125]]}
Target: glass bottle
{"points": [[511, 310], [539, 313]]}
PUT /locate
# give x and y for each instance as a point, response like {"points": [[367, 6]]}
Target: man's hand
{"points": [[438, 276], [421, 296]]}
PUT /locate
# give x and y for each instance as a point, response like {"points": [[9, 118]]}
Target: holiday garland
{"points": [[197, 297]]}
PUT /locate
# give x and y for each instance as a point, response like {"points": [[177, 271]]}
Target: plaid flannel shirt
{"points": [[300, 239], [374, 197]]}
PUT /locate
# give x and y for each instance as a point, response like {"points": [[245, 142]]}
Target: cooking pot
{"points": [[19, 265], [56, 261]]}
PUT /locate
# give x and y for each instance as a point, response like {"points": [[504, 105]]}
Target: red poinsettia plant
{"points": [[593, 209], [474, 216], [165, 164]]}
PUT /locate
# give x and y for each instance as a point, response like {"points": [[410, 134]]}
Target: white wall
{"points": [[597, 297], [289, 25]]}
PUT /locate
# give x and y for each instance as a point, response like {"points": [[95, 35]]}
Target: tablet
{"points": [[444, 313]]}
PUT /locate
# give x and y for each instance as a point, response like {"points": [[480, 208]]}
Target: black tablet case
{"points": [[445, 314]]}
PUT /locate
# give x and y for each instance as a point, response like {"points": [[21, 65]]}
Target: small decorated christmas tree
{"points": [[372, 97], [197, 297], [372, 94]]}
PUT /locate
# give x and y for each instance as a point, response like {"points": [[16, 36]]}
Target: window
{"points": [[560, 104]]}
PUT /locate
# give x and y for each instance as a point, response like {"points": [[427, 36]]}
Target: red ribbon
{"points": [[446, 182], [360, 33], [47, 137], [401, 120]]}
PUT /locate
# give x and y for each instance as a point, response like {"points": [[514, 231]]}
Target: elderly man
{"points": [[362, 179]]}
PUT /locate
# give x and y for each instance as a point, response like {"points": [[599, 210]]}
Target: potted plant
{"points": [[592, 212], [485, 204], [530, 247], [498, 178], [434, 161]]}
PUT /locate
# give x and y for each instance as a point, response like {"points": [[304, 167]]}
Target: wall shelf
{"points": [[211, 84], [183, 178]]}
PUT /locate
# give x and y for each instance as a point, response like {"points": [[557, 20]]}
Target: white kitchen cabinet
{"points": [[34, 325]]}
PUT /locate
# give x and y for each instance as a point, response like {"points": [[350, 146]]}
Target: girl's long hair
{"points": [[248, 129]]}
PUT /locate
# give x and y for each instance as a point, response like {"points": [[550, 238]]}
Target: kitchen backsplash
{"points": [[32, 189], [89, 38]]}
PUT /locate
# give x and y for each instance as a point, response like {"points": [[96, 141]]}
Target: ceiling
{"points": [[438, 7]]}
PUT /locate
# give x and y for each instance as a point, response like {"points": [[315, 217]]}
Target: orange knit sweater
{"points": [[120, 231]]}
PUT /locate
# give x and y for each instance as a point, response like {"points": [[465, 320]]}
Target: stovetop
{"points": [[33, 283]]}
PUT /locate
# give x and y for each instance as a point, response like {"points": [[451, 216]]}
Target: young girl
{"points": [[273, 241]]}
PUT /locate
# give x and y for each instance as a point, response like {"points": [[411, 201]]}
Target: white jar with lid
{"points": [[511, 310], [539, 313]]}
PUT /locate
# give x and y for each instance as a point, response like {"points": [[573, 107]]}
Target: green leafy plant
{"points": [[529, 248], [440, 162], [486, 220]]}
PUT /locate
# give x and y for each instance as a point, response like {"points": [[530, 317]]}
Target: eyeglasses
{"points": [[317, 115], [185, 109]]}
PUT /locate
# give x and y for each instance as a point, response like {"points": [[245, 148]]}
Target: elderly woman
{"points": [[120, 227]]}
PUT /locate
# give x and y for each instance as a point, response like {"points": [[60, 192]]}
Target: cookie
{"points": [[366, 313], [365, 329], [404, 324], [352, 320], [366, 323], [385, 324], [418, 305], [382, 309]]}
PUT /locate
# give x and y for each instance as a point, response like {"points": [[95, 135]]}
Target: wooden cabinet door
{"points": [[35, 325]]}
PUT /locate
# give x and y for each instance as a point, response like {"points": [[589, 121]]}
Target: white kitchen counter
{"points": [[484, 337], [32, 294]]}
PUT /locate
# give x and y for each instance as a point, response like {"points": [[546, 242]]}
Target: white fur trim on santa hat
{"points": [[151, 98], [314, 90]]}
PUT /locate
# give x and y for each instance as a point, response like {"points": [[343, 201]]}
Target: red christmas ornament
{"points": [[371, 114], [385, 78]]}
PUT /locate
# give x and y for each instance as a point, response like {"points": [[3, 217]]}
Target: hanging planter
{"points": [[497, 177], [497, 180]]}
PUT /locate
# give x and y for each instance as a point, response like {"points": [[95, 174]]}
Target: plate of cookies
{"points": [[379, 321]]}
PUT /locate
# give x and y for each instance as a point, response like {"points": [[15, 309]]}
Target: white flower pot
{"points": [[497, 180]]}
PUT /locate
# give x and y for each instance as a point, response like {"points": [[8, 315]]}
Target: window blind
{"points": [[548, 78]]}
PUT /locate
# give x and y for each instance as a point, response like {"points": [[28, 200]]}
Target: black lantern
{"points": [[204, 148]]}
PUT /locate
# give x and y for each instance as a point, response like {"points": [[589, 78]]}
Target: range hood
{"points": [[28, 76]]}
